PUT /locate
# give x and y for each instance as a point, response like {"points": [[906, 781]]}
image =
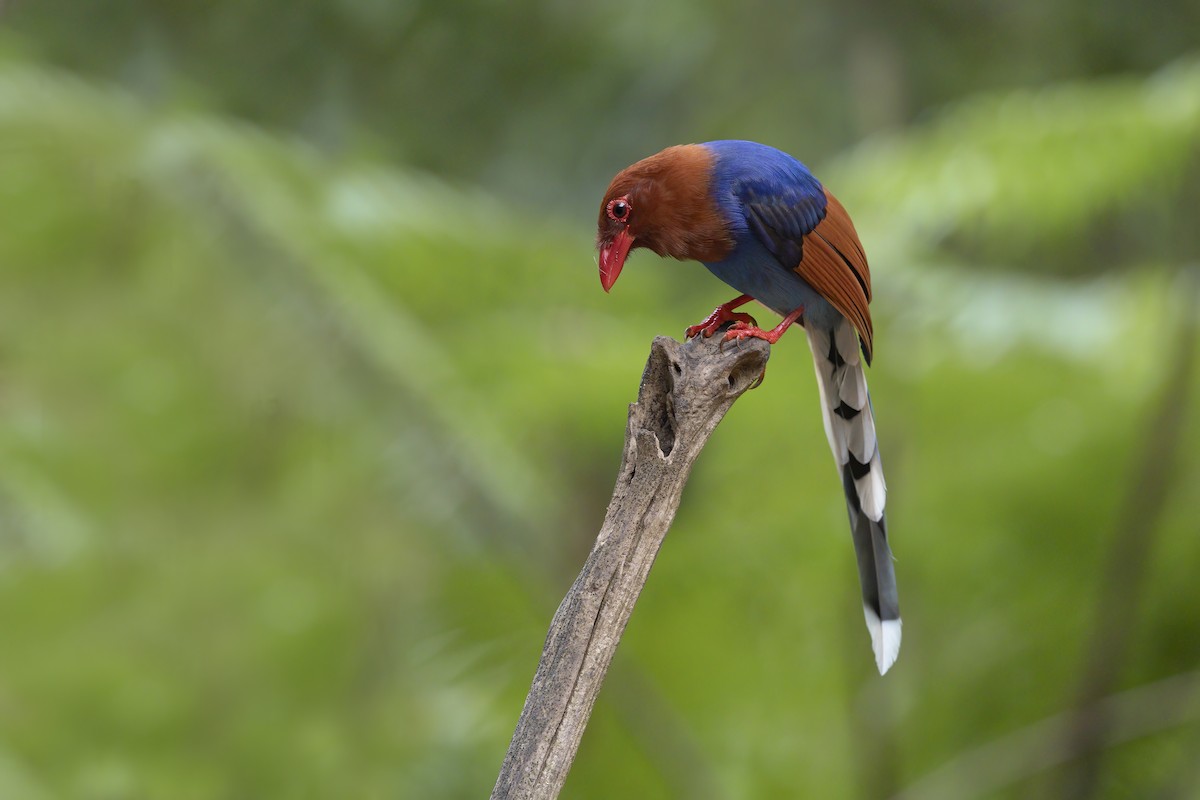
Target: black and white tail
{"points": [[850, 426]]}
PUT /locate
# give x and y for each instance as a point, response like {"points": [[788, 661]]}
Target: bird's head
{"points": [[662, 203]]}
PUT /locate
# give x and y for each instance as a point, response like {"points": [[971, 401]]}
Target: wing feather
{"points": [[834, 264], [808, 230]]}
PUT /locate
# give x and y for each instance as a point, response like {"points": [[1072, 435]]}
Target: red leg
{"points": [[720, 315], [741, 330]]}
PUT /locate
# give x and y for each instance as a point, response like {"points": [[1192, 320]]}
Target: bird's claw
{"points": [[741, 330], [720, 315]]}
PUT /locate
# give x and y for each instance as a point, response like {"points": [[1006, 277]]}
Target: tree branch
{"points": [[686, 390]]}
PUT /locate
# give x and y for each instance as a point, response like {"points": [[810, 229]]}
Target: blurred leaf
{"points": [[1061, 180]]}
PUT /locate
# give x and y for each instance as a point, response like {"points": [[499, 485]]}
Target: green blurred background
{"points": [[311, 403]]}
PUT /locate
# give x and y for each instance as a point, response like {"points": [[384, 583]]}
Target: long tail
{"points": [[850, 426]]}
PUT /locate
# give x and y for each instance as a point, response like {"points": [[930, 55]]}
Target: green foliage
{"points": [[530, 97], [1067, 179], [298, 454]]}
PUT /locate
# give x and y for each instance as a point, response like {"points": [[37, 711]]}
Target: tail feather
{"points": [[850, 428]]}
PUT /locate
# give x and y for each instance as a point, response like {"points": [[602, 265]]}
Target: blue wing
{"points": [[779, 198]]}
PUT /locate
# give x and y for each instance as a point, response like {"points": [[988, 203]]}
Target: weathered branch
{"points": [[686, 390]]}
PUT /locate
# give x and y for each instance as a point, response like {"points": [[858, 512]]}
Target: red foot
{"points": [[720, 315], [741, 330]]}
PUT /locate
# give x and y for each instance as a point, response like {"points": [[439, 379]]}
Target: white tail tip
{"points": [[885, 639]]}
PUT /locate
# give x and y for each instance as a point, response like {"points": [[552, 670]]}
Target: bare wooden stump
{"points": [[686, 390]]}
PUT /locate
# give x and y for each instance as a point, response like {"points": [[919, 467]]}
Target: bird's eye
{"points": [[619, 209]]}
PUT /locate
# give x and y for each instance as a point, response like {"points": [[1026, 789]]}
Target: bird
{"points": [[760, 221]]}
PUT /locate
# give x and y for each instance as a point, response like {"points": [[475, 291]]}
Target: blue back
{"points": [[747, 171]]}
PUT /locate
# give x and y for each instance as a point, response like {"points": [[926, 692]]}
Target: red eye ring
{"points": [[619, 209]]}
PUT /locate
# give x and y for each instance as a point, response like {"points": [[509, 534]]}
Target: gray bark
{"points": [[686, 390]]}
